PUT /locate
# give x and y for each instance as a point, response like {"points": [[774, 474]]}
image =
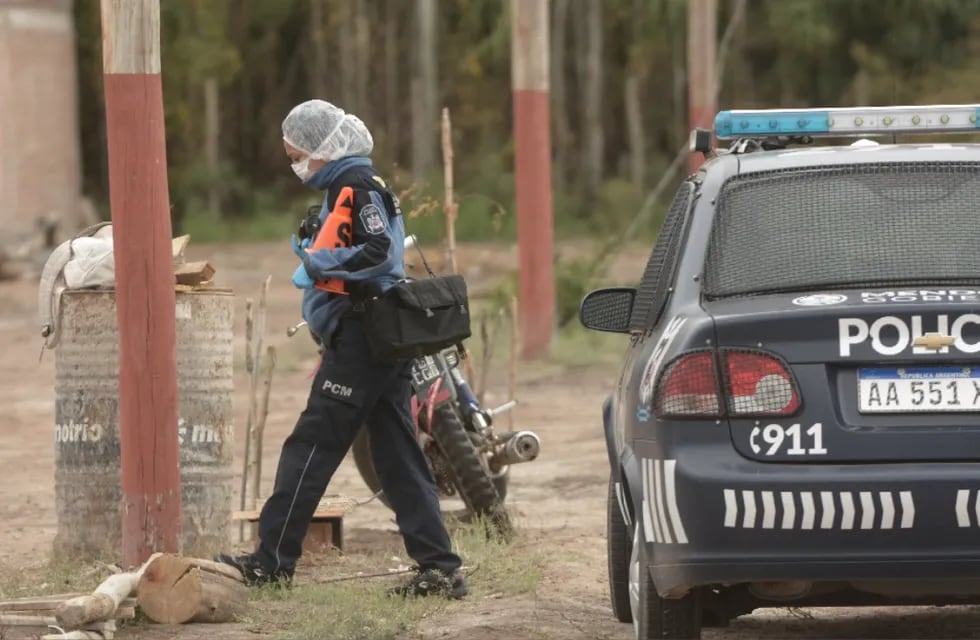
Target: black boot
{"points": [[433, 582], [254, 572]]}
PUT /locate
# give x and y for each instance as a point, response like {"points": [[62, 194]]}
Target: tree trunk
{"points": [[593, 97], [212, 140], [243, 121], [343, 44], [318, 67], [679, 75], [425, 89], [558, 98], [392, 99], [174, 590], [360, 40], [635, 134]]}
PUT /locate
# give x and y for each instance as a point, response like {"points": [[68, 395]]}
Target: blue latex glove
{"points": [[301, 279], [299, 248]]}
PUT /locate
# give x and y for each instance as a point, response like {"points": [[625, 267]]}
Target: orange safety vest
{"points": [[337, 232]]}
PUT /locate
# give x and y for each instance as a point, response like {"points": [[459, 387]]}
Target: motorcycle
{"points": [[466, 455]]}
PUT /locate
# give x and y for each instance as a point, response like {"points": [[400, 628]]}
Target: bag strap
{"points": [[425, 262]]}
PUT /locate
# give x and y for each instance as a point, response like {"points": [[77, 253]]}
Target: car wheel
{"points": [[656, 618], [618, 549]]}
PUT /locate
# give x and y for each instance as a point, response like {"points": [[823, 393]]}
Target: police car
{"points": [[797, 417]]}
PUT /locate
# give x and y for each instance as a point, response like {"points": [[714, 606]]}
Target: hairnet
{"points": [[325, 131]]}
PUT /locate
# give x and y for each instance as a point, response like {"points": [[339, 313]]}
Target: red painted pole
{"points": [[532, 165], [701, 53], [141, 234]]}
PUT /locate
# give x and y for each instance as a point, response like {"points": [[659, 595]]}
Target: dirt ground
{"points": [[558, 500]]}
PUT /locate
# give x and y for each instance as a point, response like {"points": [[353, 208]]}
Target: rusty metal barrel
{"points": [[88, 495]]}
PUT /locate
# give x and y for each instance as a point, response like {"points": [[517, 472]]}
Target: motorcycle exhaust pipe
{"points": [[522, 446]]}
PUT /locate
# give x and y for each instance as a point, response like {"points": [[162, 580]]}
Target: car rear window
{"points": [[852, 225]]}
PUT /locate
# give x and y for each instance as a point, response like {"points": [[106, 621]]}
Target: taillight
{"points": [[753, 383], [758, 384], [689, 387]]}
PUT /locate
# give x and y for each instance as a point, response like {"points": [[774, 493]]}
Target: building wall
{"points": [[40, 164]]}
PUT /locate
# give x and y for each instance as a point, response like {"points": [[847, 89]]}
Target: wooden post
{"points": [[532, 165], [701, 36], [145, 298]]}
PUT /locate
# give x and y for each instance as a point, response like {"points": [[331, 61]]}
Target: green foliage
{"points": [[267, 56], [206, 226]]}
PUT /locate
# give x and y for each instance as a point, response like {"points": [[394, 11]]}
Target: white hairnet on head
{"points": [[326, 132]]}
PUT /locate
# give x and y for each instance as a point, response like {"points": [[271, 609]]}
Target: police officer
{"points": [[357, 252]]}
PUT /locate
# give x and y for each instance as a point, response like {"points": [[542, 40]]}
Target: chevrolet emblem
{"points": [[934, 341]]}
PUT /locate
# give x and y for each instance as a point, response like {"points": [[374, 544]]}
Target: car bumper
{"points": [[714, 517]]}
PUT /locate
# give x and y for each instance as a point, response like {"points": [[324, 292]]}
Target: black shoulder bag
{"points": [[417, 317]]}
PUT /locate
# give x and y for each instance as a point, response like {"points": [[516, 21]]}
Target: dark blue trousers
{"points": [[350, 390]]}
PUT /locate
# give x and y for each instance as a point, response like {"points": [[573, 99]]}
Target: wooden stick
{"points": [[489, 337], [259, 429], [23, 620], [36, 602], [253, 407], [481, 383], [249, 368], [449, 205], [102, 603], [514, 345], [47, 603]]}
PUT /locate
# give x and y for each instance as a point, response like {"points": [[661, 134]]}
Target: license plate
{"points": [[424, 370], [919, 390]]}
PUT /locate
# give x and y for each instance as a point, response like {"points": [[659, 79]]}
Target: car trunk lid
{"points": [[881, 376]]}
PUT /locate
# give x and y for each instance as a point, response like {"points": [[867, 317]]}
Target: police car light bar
{"points": [[856, 121]]}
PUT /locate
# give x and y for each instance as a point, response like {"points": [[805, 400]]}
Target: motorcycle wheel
{"points": [[471, 477]]}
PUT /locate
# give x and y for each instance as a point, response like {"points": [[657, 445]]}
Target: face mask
{"points": [[302, 170]]}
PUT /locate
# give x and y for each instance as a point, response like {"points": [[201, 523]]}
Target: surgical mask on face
{"points": [[302, 169]]}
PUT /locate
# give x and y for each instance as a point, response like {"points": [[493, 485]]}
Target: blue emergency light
{"points": [[856, 121]]}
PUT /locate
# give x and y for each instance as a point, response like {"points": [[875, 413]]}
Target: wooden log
{"points": [[175, 589], [193, 273], [102, 603]]}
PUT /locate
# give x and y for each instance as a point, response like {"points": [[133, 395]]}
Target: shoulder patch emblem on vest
{"points": [[373, 219]]}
